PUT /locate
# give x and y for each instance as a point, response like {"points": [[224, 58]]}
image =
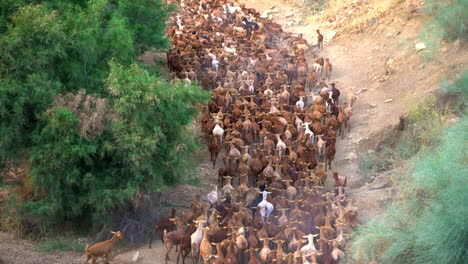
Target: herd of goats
{"points": [[278, 123]]}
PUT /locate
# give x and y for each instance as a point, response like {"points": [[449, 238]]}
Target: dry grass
{"points": [[93, 112], [354, 15], [17, 182]]}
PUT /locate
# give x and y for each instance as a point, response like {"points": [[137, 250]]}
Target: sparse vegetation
{"points": [[61, 244], [449, 22], [372, 163], [456, 90], [355, 16], [424, 125]]}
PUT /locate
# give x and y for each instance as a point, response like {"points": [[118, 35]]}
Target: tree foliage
{"points": [[96, 127], [67, 44]]}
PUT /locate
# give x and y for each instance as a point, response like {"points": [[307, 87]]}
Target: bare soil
{"points": [[359, 62]]}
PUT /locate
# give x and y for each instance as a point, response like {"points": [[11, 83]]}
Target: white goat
{"points": [[266, 208], [310, 247], [308, 131], [196, 238], [232, 9], [300, 103], [213, 195], [317, 68], [218, 131]]}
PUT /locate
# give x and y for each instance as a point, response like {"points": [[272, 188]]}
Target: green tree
{"points": [[20, 105], [91, 155], [145, 18], [95, 127], [68, 44], [153, 110]]}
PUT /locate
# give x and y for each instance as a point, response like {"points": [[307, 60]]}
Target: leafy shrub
{"points": [[65, 46], [95, 129], [449, 22], [428, 223], [145, 146]]}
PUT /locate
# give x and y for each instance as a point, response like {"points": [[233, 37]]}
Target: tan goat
{"points": [[103, 248]]}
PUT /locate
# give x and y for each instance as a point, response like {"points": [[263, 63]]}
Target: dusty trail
{"points": [[357, 62], [384, 90]]}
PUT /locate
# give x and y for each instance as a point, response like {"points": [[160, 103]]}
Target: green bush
{"points": [[456, 91], [428, 222], [449, 22], [95, 128], [458, 86], [98, 162], [65, 46]]}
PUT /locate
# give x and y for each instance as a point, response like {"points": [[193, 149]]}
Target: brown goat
{"points": [[161, 224], [319, 39], [214, 148], [328, 69], [330, 155], [173, 238], [103, 248]]}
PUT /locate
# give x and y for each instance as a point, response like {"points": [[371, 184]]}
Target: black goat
{"points": [[335, 94], [250, 25]]}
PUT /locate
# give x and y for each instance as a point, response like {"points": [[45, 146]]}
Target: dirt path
{"points": [[356, 60], [384, 90]]}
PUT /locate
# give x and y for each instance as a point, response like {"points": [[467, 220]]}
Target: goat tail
{"points": [[86, 248]]}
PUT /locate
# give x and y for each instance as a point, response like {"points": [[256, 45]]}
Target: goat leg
{"points": [[155, 230], [169, 249], [178, 256], [185, 255]]}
